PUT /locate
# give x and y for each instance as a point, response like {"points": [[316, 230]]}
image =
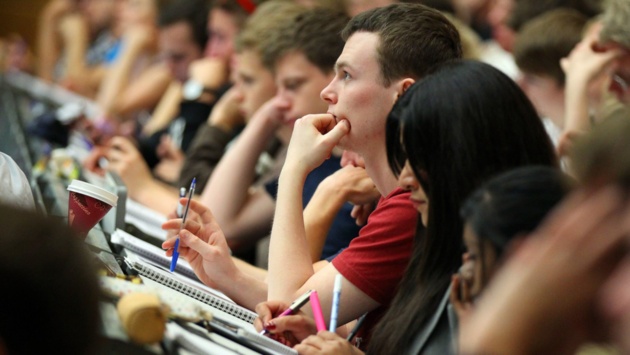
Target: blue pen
{"points": [[335, 303], [176, 247]]}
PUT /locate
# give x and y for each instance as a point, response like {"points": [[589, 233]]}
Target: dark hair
{"points": [[525, 10], [545, 40], [236, 9], [47, 275], [514, 202], [413, 39], [316, 34], [459, 126], [193, 12]]}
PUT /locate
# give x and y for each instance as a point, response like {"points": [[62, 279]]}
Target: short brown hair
{"points": [[414, 39], [601, 156], [265, 25], [616, 22], [526, 10], [316, 34], [545, 40]]}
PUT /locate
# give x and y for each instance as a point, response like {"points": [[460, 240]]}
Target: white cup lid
{"points": [[94, 192]]}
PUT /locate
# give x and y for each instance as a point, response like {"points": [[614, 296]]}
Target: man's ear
{"points": [[402, 86]]}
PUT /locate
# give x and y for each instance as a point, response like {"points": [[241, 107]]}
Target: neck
{"points": [[378, 169]]}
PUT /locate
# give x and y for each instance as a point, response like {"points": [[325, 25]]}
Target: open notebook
{"points": [[220, 305], [150, 252]]}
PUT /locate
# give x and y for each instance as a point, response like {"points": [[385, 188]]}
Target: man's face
{"points": [[299, 84], [223, 31], [357, 94], [178, 49], [253, 81]]}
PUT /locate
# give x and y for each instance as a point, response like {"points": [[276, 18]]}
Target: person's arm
{"points": [[48, 40], [313, 139], [210, 73], [135, 42], [582, 67], [203, 245], [126, 161], [75, 37], [210, 142], [349, 184], [240, 209]]}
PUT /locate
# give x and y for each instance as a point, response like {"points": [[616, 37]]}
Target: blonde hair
{"points": [[616, 22]]}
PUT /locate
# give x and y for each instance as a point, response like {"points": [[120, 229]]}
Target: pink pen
{"points": [[317, 312], [294, 307]]}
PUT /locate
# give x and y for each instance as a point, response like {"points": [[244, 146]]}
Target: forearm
{"points": [[246, 288], [319, 215], [227, 188], [252, 271], [164, 112], [157, 196], [203, 155], [153, 88], [577, 109], [289, 249], [75, 44], [117, 78], [47, 48]]}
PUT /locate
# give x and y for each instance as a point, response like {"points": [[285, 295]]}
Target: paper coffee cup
{"points": [[87, 204]]}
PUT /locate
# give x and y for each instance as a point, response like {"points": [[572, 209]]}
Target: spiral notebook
{"points": [[215, 301], [151, 252]]}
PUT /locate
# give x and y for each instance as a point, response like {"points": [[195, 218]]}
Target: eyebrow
{"points": [[340, 65]]}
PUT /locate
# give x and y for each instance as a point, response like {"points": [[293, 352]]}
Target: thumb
{"points": [[339, 131]]}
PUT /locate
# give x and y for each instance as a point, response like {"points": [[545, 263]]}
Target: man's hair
{"points": [[413, 39], [616, 22], [601, 156], [525, 10], [545, 40], [47, 272], [266, 24], [193, 12], [314, 33]]}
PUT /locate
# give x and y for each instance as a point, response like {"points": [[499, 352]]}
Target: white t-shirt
{"points": [[15, 189]]}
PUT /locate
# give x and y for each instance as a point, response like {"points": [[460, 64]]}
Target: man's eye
{"points": [[346, 75]]}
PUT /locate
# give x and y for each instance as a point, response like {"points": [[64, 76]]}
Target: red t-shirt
{"points": [[376, 259]]}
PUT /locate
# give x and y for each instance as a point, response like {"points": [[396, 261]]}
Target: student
{"points": [[556, 291], [538, 49], [370, 74], [437, 145], [50, 298], [503, 210], [304, 66]]}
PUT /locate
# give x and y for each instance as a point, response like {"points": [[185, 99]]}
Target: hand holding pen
{"points": [[292, 309], [176, 247]]}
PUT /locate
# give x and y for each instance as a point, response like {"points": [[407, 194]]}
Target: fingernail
{"points": [[270, 326]]}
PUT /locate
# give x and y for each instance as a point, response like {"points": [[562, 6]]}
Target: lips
{"points": [[418, 203]]}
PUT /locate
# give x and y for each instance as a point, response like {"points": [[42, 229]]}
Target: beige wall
{"points": [[20, 16]]}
